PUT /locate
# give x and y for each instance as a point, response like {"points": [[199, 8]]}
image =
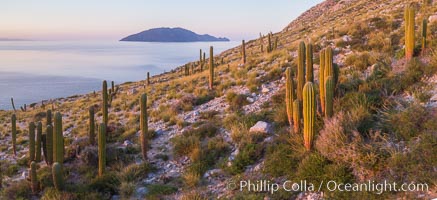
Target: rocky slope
{"points": [[205, 141]]}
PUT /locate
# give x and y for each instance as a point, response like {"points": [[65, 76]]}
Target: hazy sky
{"points": [[114, 19]]}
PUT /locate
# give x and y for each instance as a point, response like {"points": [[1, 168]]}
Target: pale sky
{"points": [[115, 19]]}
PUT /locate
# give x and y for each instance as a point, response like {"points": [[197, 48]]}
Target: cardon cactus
{"points": [[243, 52], [309, 114], [329, 67], [300, 70], [309, 63], [105, 102], [38, 142], [31, 141], [58, 179], [409, 32], [58, 140], [322, 80], [112, 87], [49, 144], [13, 104], [296, 116], [148, 78], [329, 96], [200, 61], [102, 149], [91, 131], [289, 97], [144, 126], [424, 30], [49, 117], [269, 40], [14, 133], [211, 68], [33, 178]]}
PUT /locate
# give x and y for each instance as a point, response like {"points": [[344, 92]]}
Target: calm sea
{"points": [[31, 71]]}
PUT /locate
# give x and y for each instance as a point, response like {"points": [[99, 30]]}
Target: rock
{"points": [[212, 172], [25, 174], [141, 191], [432, 18], [89, 156], [260, 127], [250, 100], [265, 90], [346, 38], [127, 143], [132, 91]]}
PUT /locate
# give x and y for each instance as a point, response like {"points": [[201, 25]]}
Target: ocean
{"points": [[31, 71]]}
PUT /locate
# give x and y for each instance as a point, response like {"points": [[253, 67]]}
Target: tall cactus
{"points": [[33, 178], [13, 104], [322, 80], [49, 117], [243, 51], [148, 78], [309, 63], [424, 30], [296, 116], [38, 142], [409, 32], [211, 68], [58, 179], [112, 87], [102, 149], [58, 140], [49, 144], [329, 96], [300, 70], [329, 67], [14, 133], [289, 97], [309, 114], [144, 126], [269, 40], [105, 102], [91, 131], [200, 61], [31, 141]]}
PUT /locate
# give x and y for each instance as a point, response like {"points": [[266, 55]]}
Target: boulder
{"points": [[260, 127], [89, 156]]}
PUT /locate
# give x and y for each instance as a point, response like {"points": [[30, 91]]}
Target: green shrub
{"points": [[248, 155], [158, 189], [107, 184], [17, 190], [360, 61], [236, 101]]}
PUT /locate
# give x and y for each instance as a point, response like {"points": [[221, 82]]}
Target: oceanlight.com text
{"points": [[331, 185]]}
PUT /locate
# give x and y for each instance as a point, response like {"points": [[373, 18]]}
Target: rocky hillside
{"points": [[204, 143]]}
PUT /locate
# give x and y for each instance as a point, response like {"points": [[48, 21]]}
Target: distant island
{"points": [[172, 35]]}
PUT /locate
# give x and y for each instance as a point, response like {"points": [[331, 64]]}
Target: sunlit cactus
{"points": [[409, 32], [211, 68], [329, 96], [309, 114], [102, 149], [329, 67], [38, 142], [296, 116], [144, 126], [243, 52], [309, 63], [14, 133], [322, 80], [289, 97], [300, 70], [49, 144], [58, 140]]}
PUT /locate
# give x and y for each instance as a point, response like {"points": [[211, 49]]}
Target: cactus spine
{"points": [[300, 70], [409, 32], [289, 95], [144, 126], [31, 141], [58, 140], [38, 142], [58, 179], [329, 96], [33, 177], [105, 102], [322, 80], [49, 144], [424, 30], [296, 116], [309, 63], [91, 130], [243, 51], [211, 68], [102, 149], [14, 133], [309, 113]]}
